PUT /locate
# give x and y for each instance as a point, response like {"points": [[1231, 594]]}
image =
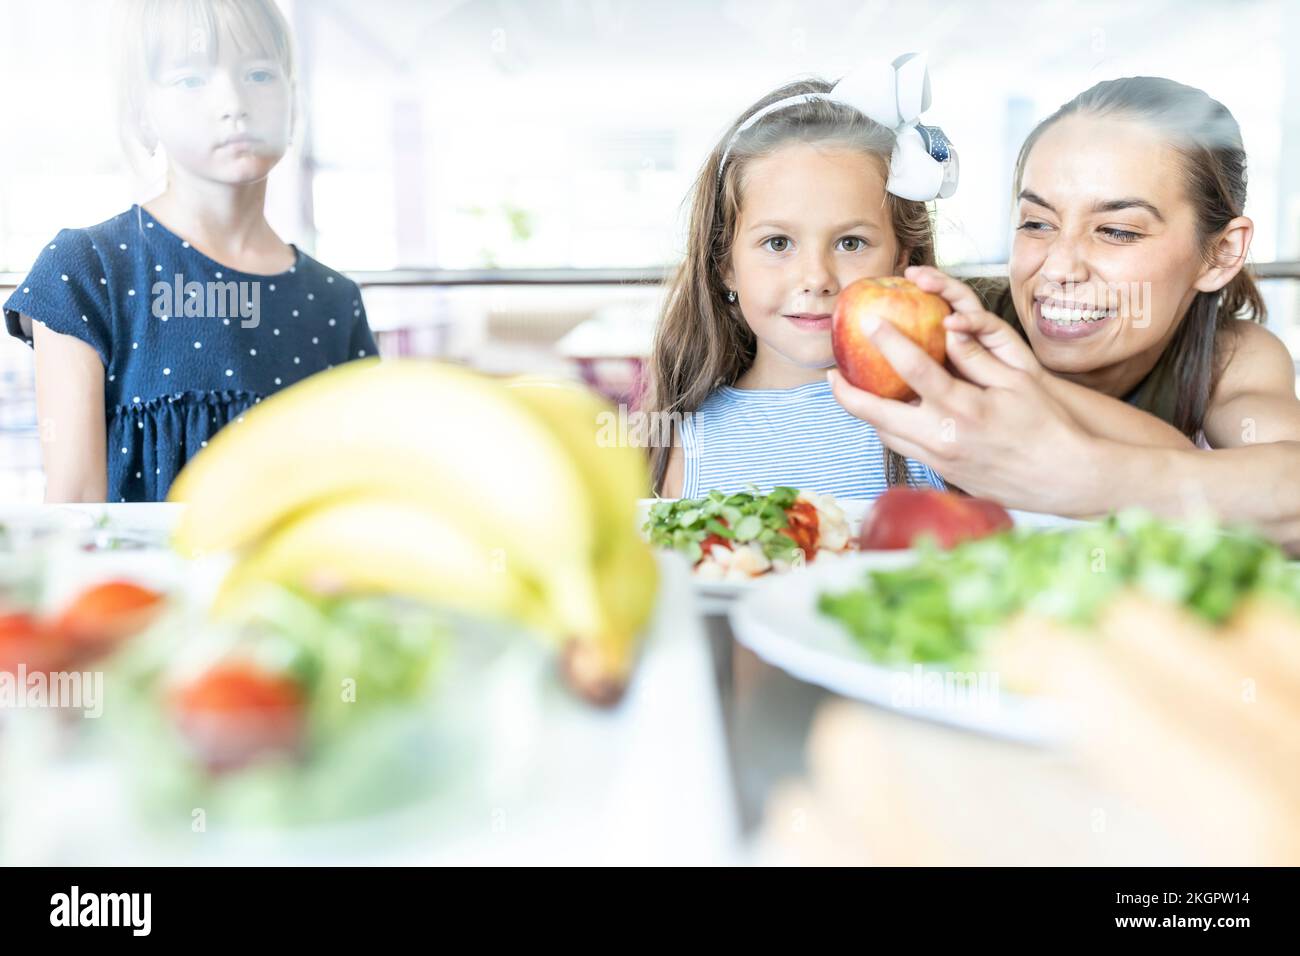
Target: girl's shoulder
{"points": [[68, 286], [130, 220], [735, 395], [75, 243], [92, 257], [105, 239], [312, 269], [809, 409]]}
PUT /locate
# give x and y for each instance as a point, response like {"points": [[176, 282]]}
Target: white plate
{"points": [[778, 620], [716, 597], [130, 526], [68, 547]]}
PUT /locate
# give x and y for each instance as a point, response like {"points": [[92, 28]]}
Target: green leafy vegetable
{"points": [[384, 649], [743, 516], [940, 609], [382, 709]]}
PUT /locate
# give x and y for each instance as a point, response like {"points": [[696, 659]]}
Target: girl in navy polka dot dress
{"points": [[155, 329]]}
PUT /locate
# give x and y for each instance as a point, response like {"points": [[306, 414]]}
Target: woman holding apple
{"points": [[1132, 344]]}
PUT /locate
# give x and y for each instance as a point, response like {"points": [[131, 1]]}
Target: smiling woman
{"points": [[1150, 178], [1128, 285]]}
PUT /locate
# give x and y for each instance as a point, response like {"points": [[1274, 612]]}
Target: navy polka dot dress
{"points": [[188, 345]]}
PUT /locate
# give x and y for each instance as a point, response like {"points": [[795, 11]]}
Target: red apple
{"points": [[902, 515], [917, 314]]}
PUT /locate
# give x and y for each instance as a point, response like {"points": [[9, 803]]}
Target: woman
{"points": [[1135, 345]]}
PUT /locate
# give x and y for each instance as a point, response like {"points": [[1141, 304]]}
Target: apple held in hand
{"points": [[917, 314], [902, 515]]}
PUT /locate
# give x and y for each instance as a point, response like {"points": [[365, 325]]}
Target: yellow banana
{"points": [[618, 474], [385, 546], [434, 482], [411, 428], [598, 663], [600, 667]]}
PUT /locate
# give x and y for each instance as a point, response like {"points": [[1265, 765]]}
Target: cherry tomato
{"points": [[236, 713]]}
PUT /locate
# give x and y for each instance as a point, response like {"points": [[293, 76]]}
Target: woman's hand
{"points": [[970, 321], [971, 326], [998, 435]]}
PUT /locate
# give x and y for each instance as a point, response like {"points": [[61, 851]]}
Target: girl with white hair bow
{"points": [[814, 186]]}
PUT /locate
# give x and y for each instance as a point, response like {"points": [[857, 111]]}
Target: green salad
{"points": [[348, 703], [685, 525], [939, 609]]}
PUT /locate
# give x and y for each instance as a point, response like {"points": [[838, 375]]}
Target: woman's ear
{"points": [[1228, 256]]}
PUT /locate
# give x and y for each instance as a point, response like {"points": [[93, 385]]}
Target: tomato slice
{"points": [[103, 616], [713, 539], [24, 641], [803, 527], [237, 713]]}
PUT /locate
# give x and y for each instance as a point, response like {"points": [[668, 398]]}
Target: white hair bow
{"points": [[924, 163]]}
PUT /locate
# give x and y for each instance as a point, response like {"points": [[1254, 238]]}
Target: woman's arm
{"points": [[1109, 418], [1253, 423], [1097, 414], [1003, 436], [1255, 399], [1253, 485], [70, 416]]}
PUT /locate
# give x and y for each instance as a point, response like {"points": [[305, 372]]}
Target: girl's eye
{"points": [[776, 244], [853, 244], [261, 76], [189, 82], [1032, 225], [1120, 235]]}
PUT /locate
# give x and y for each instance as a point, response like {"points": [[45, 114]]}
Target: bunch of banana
{"points": [[430, 481]]}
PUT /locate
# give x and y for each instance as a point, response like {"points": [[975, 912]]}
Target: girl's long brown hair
{"points": [[1213, 159], [702, 340]]}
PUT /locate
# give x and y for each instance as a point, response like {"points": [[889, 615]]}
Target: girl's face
{"points": [[1105, 258], [812, 219], [226, 118]]}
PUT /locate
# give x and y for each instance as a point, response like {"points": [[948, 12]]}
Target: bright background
{"points": [[564, 135]]}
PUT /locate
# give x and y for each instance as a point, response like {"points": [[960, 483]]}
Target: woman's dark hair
{"points": [[1208, 141]]}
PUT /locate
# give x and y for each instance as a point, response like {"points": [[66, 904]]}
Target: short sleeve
{"points": [[66, 291], [362, 343]]}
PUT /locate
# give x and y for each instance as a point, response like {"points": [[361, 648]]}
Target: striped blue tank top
{"points": [[798, 437]]}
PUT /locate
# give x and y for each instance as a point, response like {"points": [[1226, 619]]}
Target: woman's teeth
{"points": [[1064, 315]]}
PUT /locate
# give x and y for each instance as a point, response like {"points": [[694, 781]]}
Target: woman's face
{"points": [[813, 218], [226, 118], [1106, 257]]}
